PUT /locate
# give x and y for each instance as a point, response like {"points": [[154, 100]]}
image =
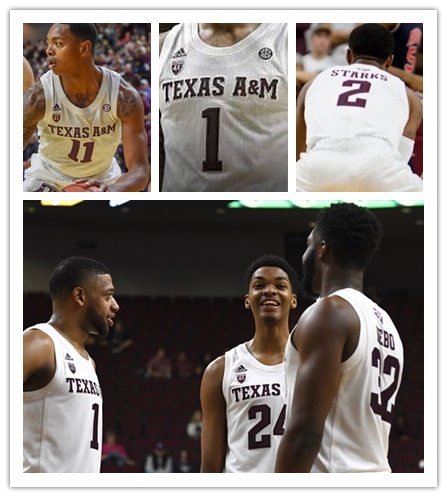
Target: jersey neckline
{"points": [[67, 102], [200, 45]]}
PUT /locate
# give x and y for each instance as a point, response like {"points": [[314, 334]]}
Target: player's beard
{"points": [[307, 280], [96, 324]]}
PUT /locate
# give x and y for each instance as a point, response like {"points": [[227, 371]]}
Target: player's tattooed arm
{"points": [[33, 110], [130, 111]]}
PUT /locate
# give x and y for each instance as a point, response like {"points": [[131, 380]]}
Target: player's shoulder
{"points": [[38, 340], [216, 367], [169, 34], [128, 100], [331, 315]]}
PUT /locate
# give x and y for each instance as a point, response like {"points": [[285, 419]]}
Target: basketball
{"points": [[80, 187]]}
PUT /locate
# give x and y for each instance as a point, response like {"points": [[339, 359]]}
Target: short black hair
{"points": [[85, 32], [73, 272], [272, 261], [352, 233], [371, 40]]}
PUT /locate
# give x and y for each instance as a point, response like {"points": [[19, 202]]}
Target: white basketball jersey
{"points": [[256, 406], [80, 142], [62, 422], [357, 427], [224, 111], [353, 101]]}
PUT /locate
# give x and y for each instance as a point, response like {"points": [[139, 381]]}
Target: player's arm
{"points": [[33, 110], [214, 419], [134, 138], [321, 339], [415, 117], [28, 76], [414, 81], [300, 122], [39, 363]]}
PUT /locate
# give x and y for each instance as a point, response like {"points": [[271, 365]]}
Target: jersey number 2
{"points": [[379, 402], [345, 99], [266, 419], [212, 162]]}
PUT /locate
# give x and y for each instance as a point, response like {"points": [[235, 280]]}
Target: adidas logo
{"points": [[179, 53], [56, 107], [68, 358], [240, 369]]}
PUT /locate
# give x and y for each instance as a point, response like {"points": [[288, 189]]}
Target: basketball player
{"points": [[223, 104], [243, 391], [344, 358], [356, 124], [82, 113], [62, 400], [28, 76]]}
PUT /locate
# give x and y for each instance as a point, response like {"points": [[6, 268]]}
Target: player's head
{"points": [[272, 285], [69, 45], [346, 237], [371, 42], [87, 285]]}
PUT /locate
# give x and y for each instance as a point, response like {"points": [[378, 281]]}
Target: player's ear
{"points": [[86, 48], [246, 302], [349, 56], [322, 249], [294, 301], [389, 61], [79, 296]]}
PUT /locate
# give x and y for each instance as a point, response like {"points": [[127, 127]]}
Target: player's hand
{"points": [[94, 182]]}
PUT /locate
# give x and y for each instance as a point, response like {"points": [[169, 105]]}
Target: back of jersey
{"points": [[346, 102], [357, 427], [224, 111]]}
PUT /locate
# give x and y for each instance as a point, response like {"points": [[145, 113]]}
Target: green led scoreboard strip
{"points": [[318, 204]]}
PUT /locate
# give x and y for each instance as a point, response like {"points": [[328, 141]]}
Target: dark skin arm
{"points": [[130, 111], [415, 117], [300, 122], [33, 110], [39, 363], [214, 420], [414, 81], [324, 337]]}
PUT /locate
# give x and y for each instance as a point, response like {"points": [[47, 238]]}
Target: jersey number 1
{"points": [[94, 441], [212, 162]]}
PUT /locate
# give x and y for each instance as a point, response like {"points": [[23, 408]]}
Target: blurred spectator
{"points": [[183, 366], [318, 58], [194, 427], [158, 461], [184, 465], [114, 453], [205, 361], [159, 366], [120, 338]]}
